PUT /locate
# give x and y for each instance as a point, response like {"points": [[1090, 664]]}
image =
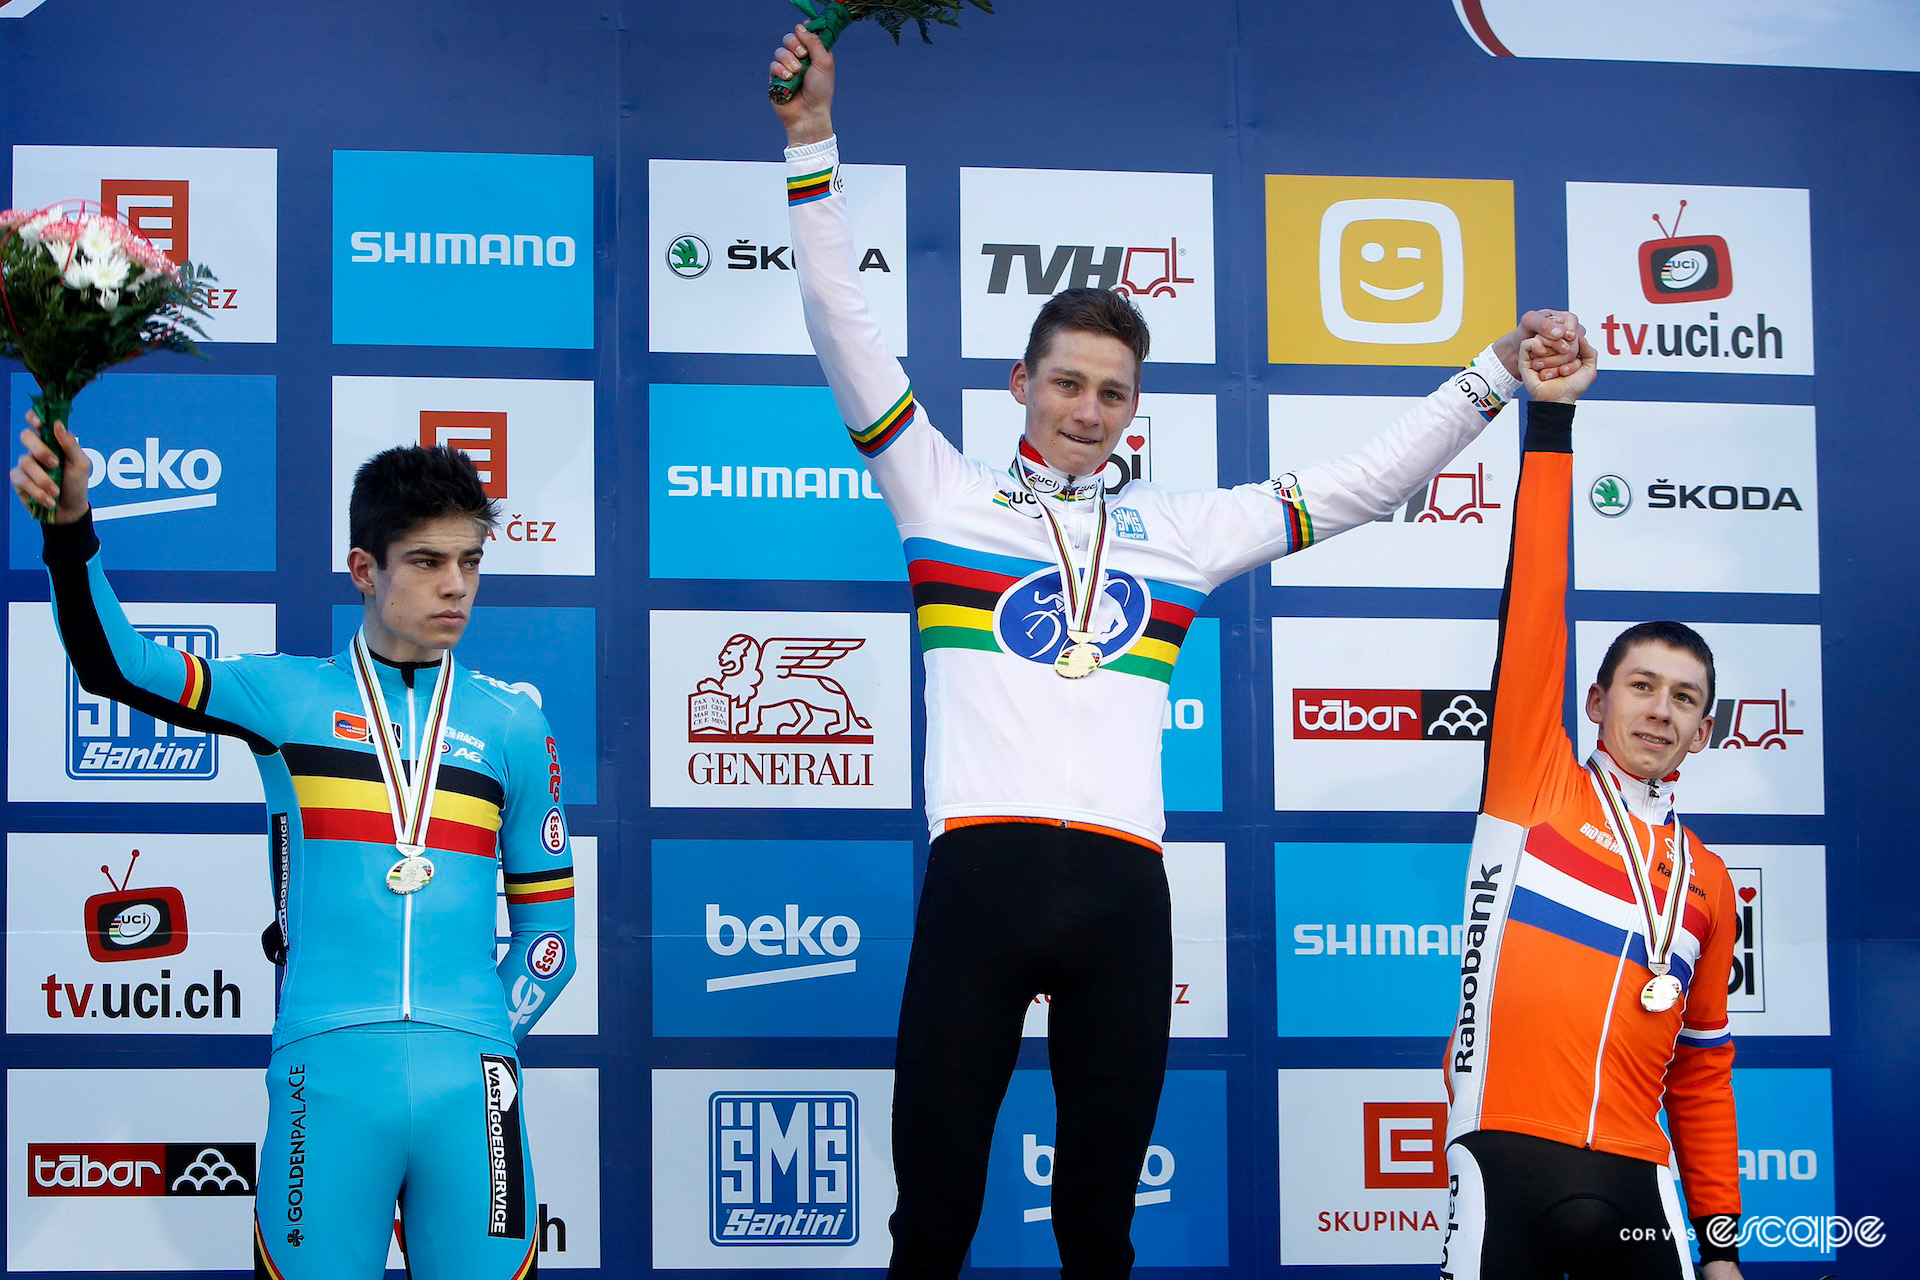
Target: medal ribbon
{"points": [[1080, 599], [409, 793], [1665, 925]]}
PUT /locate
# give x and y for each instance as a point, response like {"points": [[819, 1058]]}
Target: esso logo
{"points": [[553, 832], [547, 956], [134, 925], [1031, 617]]}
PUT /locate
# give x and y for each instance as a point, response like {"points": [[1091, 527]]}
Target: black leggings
{"points": [[1010, 911], [1526, 1208]]}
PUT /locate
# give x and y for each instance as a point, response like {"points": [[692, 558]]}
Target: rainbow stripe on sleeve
{"points": [[875, 439], [809, 187], [955, 592]]}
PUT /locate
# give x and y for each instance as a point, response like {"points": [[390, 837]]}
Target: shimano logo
{"points": [[785, 936], [462, 249], [784, 1168], [769, 482], [1156, 1175], [1379, 940], [190, 473]]}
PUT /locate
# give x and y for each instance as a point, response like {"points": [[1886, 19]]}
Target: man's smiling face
{"points": [[1079, 399], [1654, 713]]}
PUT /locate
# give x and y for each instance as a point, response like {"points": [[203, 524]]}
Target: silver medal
{"points": [[1661, 994], [410, 875]]}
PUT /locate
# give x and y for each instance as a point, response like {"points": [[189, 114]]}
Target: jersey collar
{"points": [[1047, 482], [1649, 799]]}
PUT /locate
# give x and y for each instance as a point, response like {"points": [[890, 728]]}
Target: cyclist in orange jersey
{"points": [[1593, 986]]}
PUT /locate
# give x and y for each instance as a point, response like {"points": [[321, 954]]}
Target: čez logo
{"points": [[1156, 1175], [782, 937], [106, 739], [784, 1168]]}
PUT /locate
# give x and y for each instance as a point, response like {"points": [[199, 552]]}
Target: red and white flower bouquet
{"points": [[81, 292]]}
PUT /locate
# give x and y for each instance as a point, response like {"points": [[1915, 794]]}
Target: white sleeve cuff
{"points": [[1489, 366], [813, 150]]}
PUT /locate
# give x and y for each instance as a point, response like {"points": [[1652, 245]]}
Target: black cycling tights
{"points": [[1010, 911], [1526, 1208]]}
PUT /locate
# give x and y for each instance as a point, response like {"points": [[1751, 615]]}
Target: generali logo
{"points": [[777, 690], [1392, 715]]}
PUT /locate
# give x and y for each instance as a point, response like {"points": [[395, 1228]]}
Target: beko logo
{"points": [[787, 936]]}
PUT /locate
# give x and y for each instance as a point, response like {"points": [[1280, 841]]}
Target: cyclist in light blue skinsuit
{"points": [[398, 786]]}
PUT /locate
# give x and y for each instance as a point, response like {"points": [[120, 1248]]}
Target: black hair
{"points": [[1675, 635], [398, 488], [1099, 311]]}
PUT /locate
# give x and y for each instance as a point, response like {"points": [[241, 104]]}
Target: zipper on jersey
{"points": [[1606, 1029], [406, 902]]}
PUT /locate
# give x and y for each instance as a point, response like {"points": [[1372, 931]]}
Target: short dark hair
{"points": [[398, 488], [1099, 311], [1675, 635]]}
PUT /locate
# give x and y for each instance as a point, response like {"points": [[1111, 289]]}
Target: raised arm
{"points": [[914, 465], [110, 658], [1530, 764], [537, 859]]}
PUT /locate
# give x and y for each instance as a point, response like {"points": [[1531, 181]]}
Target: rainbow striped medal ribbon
{"points": [[1080, 657], [409, 792], [1664, 991]]}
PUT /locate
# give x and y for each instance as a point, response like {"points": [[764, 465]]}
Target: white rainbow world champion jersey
{"points": [[1006, 736]]}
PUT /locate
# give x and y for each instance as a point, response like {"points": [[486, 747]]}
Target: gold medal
{"points": [[1077, 660]]}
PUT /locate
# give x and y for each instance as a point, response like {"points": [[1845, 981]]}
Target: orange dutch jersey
{"points": [[1551, 1038]]}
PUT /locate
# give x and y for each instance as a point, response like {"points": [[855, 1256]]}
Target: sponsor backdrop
{"points": [[592, 292]]}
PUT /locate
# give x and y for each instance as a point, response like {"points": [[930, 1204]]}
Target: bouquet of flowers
{"points": [[79, 293], [829, 20]]}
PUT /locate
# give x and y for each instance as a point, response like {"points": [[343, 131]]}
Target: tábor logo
{"points": [[1690, 269], [777, 690], [1405, 1144], [137, 924], [1753, 722], [140, 1169], [1611, 496], [106, 740], [783, 1168], [788, 936], [1379, 715], [1747, 980], [688, 257]]}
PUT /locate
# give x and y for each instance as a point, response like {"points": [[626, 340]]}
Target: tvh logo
{"points": [[783, 1168], [1403, 270]]}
